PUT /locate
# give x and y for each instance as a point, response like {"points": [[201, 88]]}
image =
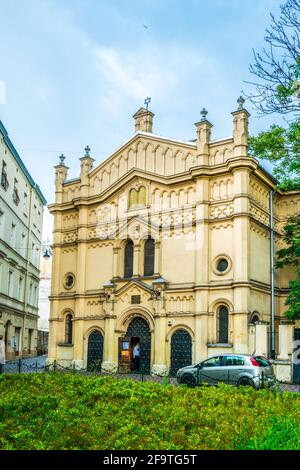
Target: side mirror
{"points": [[199, 366]]}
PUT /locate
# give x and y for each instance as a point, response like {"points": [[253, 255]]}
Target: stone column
{"points": [[240, 129], [78, 355], [157, 257], [240, 330], [203, 129], [116, 251], [286, 337], [261, 338], [159, 366], [86, 165], [110, 362], [241, 256], [202, 233], [61, 173], [53, 340], [78, 326], [136, 259], [143, 120], [201, 336]]}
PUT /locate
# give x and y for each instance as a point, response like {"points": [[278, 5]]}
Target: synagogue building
{"points": [[166, 244]]}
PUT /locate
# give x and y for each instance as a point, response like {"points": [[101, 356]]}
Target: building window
{"points": [[33, 253], [223, 324], [69, 329], [149, 257], [25, 203], [30, 341], [4, 180], [128, 259], [137, 197], [13, 236], [1, 224], [16, 197], [23, 242], [20, 288], [30, 293], [221, 265], [10, 283], [69, 281], [254, 317]]}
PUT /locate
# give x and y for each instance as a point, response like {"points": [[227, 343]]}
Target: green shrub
{"points": [[67, 411]]}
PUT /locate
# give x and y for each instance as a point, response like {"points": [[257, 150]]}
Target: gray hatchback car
{"points": [[233, 369]]}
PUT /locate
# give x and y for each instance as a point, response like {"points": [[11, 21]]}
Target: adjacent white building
{"points": [[21, 218]]}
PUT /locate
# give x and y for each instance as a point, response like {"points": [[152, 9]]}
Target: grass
{"points": [[65, 411]]}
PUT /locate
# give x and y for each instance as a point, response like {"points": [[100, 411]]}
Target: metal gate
{"points": [[138, 327], [95, 350], [296, 357], [181, 350]]}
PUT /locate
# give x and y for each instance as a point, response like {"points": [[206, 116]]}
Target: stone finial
{"points": [[86, 165], [203, 113], [240, 129], [87, 151], [143, 119], [147, 101], [62, 159], [61, 174], [203, 130], [240, 102]]}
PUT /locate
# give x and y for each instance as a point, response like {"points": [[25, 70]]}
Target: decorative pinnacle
{"points": [[203, 113], [240, 102], [147, 101], [62, 159], [87, 151]]}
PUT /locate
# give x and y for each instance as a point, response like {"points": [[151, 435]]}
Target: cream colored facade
{"points": [[201, 201]]}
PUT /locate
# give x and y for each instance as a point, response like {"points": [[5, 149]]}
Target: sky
{"points": [[73, 72]]}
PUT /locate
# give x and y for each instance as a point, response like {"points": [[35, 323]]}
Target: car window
{"points": [[212, 362], [262, 361], [233, 361]]}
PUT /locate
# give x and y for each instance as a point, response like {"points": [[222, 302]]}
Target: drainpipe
{"points": [[272, 277]]}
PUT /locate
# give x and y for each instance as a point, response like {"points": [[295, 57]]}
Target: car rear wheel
{"points": [[189, 380], [245, 381]]}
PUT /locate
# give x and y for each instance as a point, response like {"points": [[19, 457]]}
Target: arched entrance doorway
{"points": [[95, 350], [181, 350], [139, 331]]}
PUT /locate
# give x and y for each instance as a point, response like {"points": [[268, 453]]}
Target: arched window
{"points": [[223, 324], [254, 318], [137, 197], [69, 329], [128, 259], [149, 257]]}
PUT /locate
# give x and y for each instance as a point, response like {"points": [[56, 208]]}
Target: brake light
{"points": [[254, 362]]}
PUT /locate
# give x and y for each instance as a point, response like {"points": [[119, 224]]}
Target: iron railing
{"points": [[23, 366]]}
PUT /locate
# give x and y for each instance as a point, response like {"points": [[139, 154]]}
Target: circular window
{"points": [[69, 281], [222, 265]]}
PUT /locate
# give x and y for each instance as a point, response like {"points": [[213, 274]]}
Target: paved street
{"points": [[30, 364]]}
